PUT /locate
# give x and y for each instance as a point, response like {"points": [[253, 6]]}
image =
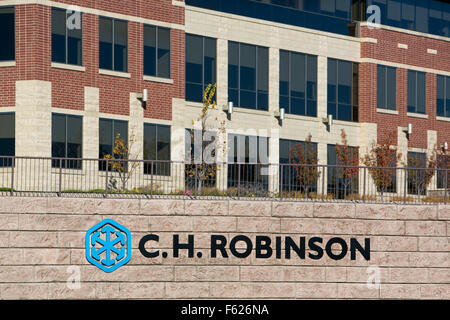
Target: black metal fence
{"points": [[161, 179]]}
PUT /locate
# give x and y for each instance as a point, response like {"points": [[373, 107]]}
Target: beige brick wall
{"points": [[41, 237]]}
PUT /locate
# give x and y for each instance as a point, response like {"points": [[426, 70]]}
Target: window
{"points": [[416, 92], [298, 83], [200, 65], [338, 186], [248, 74], [443, 96], [66, 43], [108, 130], [386, 87], [157, 147], [67, 138], [289, 173], [248, 162], [443, 173], [156, 51], [7, 34], [7, 138], [343, 88], [113, 51], [417, 179]]}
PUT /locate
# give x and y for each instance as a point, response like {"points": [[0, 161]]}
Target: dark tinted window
{"points": [[66, 42], [416, 92], [7, 138], [298, 83], [343, 90], [337, 184], [416, 178], [157, 147], [443, 96], [67, 136], [113, 50], [386, 87], [108, 131], [248, 75], [7, 34], [156, 51], [200, 65]]}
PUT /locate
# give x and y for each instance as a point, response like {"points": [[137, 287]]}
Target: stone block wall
{"points": [[42, 247]]}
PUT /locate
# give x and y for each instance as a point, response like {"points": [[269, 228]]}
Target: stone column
{"points": [[431, 147], [222, 100], [136, 142], [91, 138], [177, 145], [33, 135], [322, 85], [274, 106], [402, 147]]}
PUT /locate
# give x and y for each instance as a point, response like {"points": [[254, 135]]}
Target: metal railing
{"points": [[31, 176]]}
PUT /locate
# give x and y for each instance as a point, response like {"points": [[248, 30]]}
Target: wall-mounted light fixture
{"points": [[228, 108], [444, 146], [143, 96], [328, 121], [279, 114], [408, 130]]}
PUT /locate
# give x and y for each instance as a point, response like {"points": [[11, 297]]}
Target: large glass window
{"points": [[248, 163], [443, 96], [298, 83], [288, 152], [443, 175], [108, 131], [200, 65], [7, 138], [339, 185], [157, 147], [343, 88], [248, 75], [66, 43], [156, 51], [416, 92], [67, 136], [386, 87], [417, 179], [7, 34], [113, 51]]}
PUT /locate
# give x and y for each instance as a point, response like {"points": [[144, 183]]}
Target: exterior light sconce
{"points": [[279, 114], [143, 97], [408, 130], [328, 121], [228, 109], [444, 146]]}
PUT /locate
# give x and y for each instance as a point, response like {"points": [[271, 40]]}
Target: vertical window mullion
{"points": [[239, 75], [289, 84], [305, 105], [113, 38], [66, 40], [203, 65], [256, 77]]}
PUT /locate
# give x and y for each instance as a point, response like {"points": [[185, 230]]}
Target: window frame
{"points": [[306, 78], [4, 161], [416, 100], [239, 87], [203, 84], [446, 98], [102, 163], [157, 28], [113, 38], [159, 162], [14, 33], [56, 163], [66, 39], [386, 85], [354, 90]]}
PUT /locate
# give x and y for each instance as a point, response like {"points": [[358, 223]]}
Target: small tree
{"points": [[204, 168], [420, 173], [305, 160], [119, 161], [349, 160], [443, 166], [381, 160]]}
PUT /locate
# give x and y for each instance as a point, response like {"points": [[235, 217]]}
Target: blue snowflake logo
{"points": [[108, 245]]}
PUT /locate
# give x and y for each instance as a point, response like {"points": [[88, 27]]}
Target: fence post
{"points": [[364, 185], [60, 178], [106, 180], [13, 164]]}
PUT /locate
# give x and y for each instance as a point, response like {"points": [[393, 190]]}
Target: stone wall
{"points": [[42, 246]]}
